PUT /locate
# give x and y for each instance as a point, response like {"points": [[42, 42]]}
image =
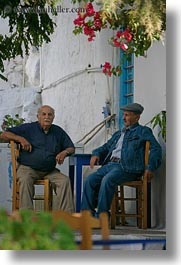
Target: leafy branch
{"points": [[160, 120]]}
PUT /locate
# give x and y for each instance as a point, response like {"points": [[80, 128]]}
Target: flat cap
{"points": [[133, 107]]}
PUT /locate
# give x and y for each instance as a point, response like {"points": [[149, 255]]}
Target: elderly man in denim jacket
{"points": [[122, 160]]}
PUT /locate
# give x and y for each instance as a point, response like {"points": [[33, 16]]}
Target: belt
{"points": [[115, 159]]}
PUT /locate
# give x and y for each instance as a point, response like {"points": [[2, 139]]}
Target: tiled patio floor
{"points": [[126, 233]]}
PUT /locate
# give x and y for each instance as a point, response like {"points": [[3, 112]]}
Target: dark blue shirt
{"points": [[45, 147]]}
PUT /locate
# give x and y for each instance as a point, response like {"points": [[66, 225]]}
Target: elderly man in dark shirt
{"points": [[43, 145]]}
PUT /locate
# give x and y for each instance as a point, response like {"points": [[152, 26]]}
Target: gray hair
{"points": [[47, 106]]}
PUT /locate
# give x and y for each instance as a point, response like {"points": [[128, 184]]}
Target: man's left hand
{"points": [[60, 157], [149, 175]]}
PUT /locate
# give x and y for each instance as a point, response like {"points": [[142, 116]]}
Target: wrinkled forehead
{"points": [[46, 110], [130, 113]]}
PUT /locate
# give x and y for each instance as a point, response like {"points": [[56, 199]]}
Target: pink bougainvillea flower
{"points": [[127, 35], [124, 34], [119, 34], [89, 9], [89, 22], [116, 43], [97, 24], [122, 39], [107, 69], [79, 21], [106, 72], [91, 38], [107, 65], [124, 46], [86, 30], [97, 15], [89, 31]]}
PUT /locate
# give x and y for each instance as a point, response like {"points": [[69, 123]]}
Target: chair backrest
{"points": [[84, 222], [14, 155], [147, 150]]}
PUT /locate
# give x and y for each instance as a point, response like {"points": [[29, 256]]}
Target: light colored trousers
{"points": [[26, 176]]}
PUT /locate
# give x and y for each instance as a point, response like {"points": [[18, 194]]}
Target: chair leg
{"points": [[15, 200], [104, 228], [50, 196], [46, 195], [147, 207], [123, 220], [139, 195], [113, 213], [145, 204]]}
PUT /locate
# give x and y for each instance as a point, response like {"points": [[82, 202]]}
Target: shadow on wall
{"points": [[159, 196]]}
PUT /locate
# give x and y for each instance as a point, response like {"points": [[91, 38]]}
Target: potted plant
{"points": [[8, 122]]}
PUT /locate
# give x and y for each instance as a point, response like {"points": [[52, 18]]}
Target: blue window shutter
{"points": [[126, 82]]}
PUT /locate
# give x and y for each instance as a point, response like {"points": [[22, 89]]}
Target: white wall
{"points": [[22, 101], [150, 81], [21, 93], [150, 90], [78, 99]]}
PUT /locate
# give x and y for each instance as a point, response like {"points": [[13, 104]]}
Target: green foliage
{"points": [[160, 120], [29, 24], [9, 121], [146, 20], [34, 231]]}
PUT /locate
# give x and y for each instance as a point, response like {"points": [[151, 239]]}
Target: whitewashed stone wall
{"points": [[78, 96], [21, 94], [150, 81], [22, 101], [150, 90]]}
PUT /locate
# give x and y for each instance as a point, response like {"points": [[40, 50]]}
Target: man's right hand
{"points": [[94, 161], [11, 136]]}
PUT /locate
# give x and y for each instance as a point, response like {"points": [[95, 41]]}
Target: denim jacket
{"points": [[133, 149]]}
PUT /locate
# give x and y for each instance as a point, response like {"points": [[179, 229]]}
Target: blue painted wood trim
{"points": [[126, 93]]}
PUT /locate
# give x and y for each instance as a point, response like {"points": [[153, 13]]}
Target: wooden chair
{"points": [[48, 191], [84, 222], [142, 200]]}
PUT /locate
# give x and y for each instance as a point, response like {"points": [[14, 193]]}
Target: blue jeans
{"points": [[100, 186]]}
